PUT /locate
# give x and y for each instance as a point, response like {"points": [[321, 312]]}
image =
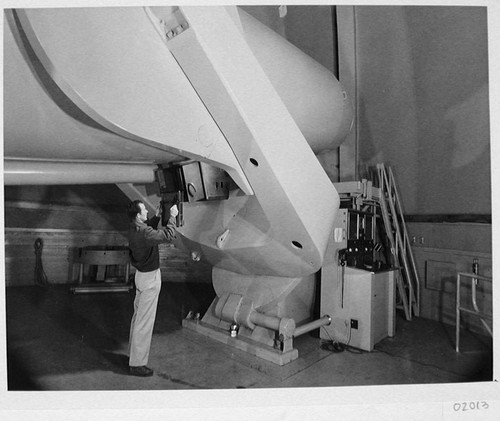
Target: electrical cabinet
{"points": [[370, 302], [359, 299], [362, 309]]}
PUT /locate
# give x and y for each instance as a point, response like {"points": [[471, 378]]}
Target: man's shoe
{"points": [[141, 371]]}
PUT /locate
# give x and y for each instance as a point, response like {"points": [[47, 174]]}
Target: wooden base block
{"points": [[244, 344]]}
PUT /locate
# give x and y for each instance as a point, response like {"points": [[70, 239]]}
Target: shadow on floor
{"points": [[60, 341]]}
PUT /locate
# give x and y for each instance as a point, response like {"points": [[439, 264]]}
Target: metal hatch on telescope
{"points": [[192, 182]]}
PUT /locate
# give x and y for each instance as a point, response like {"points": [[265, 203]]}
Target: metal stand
{"points": [[103, 257], [474, 310]]}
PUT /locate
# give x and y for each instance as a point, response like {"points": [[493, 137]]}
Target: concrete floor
{"points": [[61, 341]]}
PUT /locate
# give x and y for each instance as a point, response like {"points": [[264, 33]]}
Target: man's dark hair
{"points": [[134, 208]]}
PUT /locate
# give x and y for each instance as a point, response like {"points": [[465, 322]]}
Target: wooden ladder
{"points": [[407, 280]]}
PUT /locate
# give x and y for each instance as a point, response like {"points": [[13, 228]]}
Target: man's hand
{"points": [[158, 210], [174, 211]]}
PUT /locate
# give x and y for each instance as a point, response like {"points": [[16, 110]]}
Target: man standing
{"points": [[144, 238]]}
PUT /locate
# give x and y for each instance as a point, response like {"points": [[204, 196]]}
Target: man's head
{"points": [[137, 210]]}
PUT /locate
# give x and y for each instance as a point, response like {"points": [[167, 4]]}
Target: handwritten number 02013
{"points": [[470, 406]]}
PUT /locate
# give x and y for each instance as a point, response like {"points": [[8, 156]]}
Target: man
{"points": [[144, 238]]}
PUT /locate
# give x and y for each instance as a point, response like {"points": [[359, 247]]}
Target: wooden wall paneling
{"points": [[437, 269], [441, 250], [456, 236], [60, 256], [59, 253]]}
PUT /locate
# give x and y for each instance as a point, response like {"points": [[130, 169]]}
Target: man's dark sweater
{"points": [[144, 238]]}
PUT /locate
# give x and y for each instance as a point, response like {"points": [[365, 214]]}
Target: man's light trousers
{"points": [[148, 285]]}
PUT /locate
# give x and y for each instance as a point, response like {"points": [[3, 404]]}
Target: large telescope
{"points": [[208, 104]]}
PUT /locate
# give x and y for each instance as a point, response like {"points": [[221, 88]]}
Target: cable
{"points": [[350, 331], [40, 276], [326, 331], [331, 346], [336, 346]]}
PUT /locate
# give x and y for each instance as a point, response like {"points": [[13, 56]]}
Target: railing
{"points": [[392, 212], [475, 311]]}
